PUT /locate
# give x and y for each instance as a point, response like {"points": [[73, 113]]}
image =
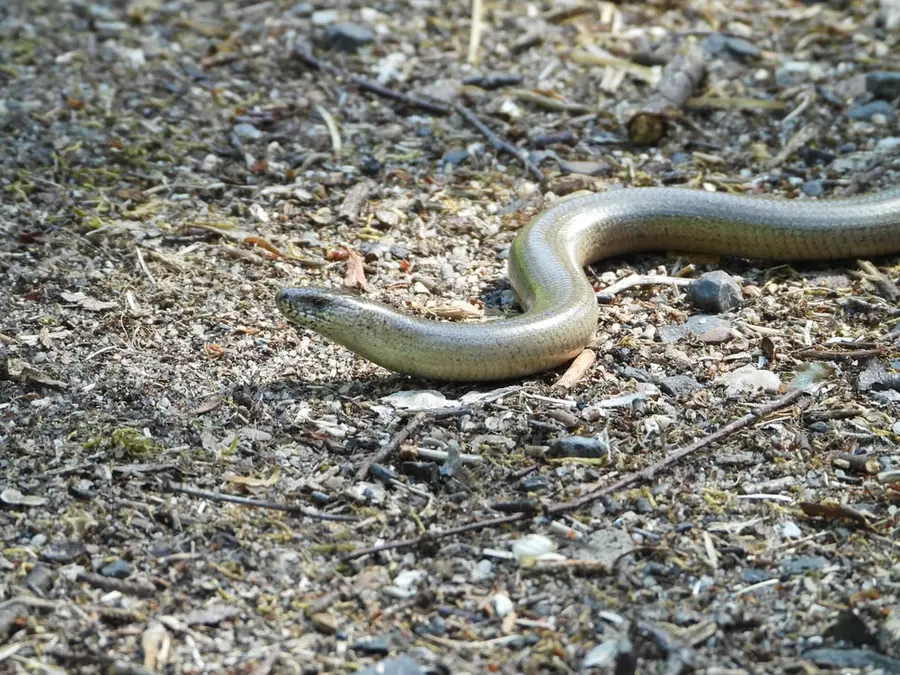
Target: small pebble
{"points": [[323, 17], [888, 146], [377, 644], [813, 188], [866, 111], [118, 569], [455, 157], [348, 37], [64, 552], [803, 564], [533, 484], [883, 84], [247, 131], [397, 665], [580, 446], [715, 292], [678, 385]]}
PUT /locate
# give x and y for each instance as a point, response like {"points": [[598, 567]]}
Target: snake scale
{"points": [[546, 263]]}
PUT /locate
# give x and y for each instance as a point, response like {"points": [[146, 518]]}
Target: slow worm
{"points": [[560, 309]]}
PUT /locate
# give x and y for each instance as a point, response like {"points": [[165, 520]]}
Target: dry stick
{"points": [[679, 80], [647, 474], [641, 280], [235, 499], [882, 282], [498, 142], [475, 31], [831, 355], [415, 541], [422, 104], [372, 87], [391, 446], [629, 480]]}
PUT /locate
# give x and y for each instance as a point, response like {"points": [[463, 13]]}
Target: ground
{"points": [[165, 167]]}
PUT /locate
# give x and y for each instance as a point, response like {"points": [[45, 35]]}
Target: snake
{"points": [[546, 263]]}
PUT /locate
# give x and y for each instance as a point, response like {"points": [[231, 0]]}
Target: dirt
{"points": [[181, 487]]}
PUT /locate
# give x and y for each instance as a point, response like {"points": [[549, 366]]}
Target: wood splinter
{"points": [[680, 78]]}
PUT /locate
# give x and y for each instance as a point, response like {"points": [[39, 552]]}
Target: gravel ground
{"points": [[188, 482]]}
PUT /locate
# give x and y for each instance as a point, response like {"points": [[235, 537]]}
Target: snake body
{"points": [[560, 308]]}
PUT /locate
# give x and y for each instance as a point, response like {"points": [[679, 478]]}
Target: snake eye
{"points": [[319, 303]]}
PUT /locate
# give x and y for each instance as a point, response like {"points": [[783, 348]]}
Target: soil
{"points": [[188, 481]]}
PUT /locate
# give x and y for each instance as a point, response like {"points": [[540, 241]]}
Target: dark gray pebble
{"points": [[715, 292]]}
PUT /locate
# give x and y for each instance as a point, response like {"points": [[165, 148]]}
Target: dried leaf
{"points": [[833, 510], [264, 244], [210, 616], [208, 405], [18, 370], [155, 643], [87, 302], [248, 482], [457, 309], [13, 497], [355, 276], [214, 351]]}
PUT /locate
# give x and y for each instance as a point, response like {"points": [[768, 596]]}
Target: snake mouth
{"points": [[290, 303]]}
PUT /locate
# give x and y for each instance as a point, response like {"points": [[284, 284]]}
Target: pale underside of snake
{"points": [[546, 262]]}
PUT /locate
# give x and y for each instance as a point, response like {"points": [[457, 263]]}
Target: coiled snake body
{"points": [[545, 268]]}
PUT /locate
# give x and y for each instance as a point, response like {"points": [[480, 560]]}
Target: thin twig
{"points": [[498, 142], [882, 282], [372, 87], [140, 589], [475, 31], [642, 280], [422, 104], [629, 480], [107, 663], [390, 446], [833, 355], [645, 475], [333, 131], [143, 265], [293, 509], [415, 541]]}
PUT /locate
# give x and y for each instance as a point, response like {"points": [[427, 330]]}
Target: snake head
{"points": [[318, 308]]}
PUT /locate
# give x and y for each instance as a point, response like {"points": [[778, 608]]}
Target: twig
{"points": [[548, 103], [415, 541], [391, 445], [258, 503], [832, 355], [122, 586], [799, 140], [647, 474], [883, 283], [641, 280], [372, 87], [679, 80], [143, 265], [108, 663], [475, 31], [576, 370], [353, 202], [439, 455], [808, 97], [333, 132], [498, 142], [422, 104], [629, 480]]}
